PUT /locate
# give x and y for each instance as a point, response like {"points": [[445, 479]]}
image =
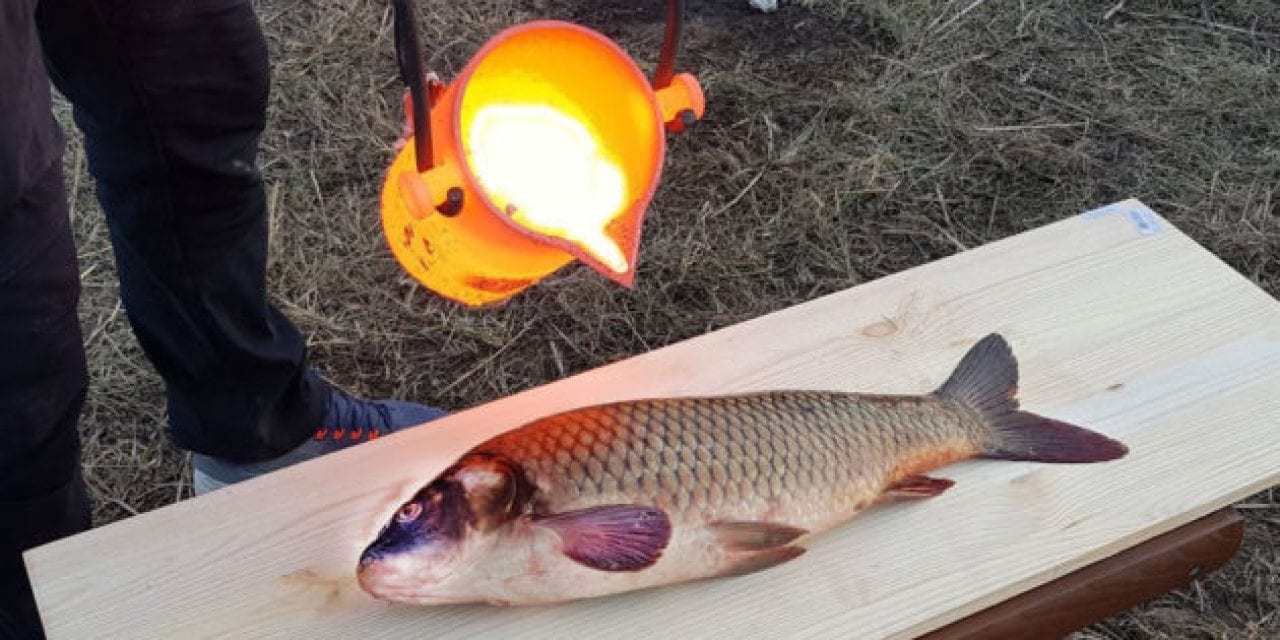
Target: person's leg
{"points": [[42, 369], [171, 97]]}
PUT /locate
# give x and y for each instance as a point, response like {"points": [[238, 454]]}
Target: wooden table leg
{"points": [[1107, 587]]}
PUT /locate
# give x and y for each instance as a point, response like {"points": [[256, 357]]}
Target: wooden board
{"points": [[1166, 562], [1120, 322]]}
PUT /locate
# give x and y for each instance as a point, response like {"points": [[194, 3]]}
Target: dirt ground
{"points": [[845, 140]]}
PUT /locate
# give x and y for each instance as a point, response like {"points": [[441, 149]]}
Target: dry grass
{"points": [[845, 141]]}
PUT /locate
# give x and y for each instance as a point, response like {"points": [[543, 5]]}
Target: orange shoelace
{"points": [[339, 433]]}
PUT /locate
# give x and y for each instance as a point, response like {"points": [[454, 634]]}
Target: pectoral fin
{"points": [[612, 538]]}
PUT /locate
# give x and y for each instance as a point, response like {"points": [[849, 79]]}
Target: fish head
{"points": [[428, 547]]}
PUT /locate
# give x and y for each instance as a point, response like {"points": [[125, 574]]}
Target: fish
{"points": [[631, 495]]}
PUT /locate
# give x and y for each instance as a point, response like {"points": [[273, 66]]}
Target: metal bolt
{"points": [[452, 204], [688, 118]]}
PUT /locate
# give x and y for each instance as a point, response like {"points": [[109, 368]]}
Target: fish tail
{"points": [[987, 380]]}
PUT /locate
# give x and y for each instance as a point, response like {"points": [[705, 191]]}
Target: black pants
{"points": [[171, 97]]}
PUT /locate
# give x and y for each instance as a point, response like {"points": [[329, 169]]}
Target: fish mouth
{"points": [[406, 596], [403, 591], [385, 581]]}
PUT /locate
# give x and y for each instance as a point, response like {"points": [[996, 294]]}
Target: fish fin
{"points": [[749, 535], [918, 487], [612, 538], [1020, 435], [987, 380], [761, 560]]}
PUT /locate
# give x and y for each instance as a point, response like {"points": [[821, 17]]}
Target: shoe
{"points": [[347, 421]]}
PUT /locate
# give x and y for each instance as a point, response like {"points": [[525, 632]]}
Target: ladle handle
{"points": [[666, 68], [409, 58]]}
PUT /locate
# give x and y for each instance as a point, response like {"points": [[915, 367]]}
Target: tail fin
{"points": [[987, 380]]}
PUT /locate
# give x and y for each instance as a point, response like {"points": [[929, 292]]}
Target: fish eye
{"points": [[409, 512]]}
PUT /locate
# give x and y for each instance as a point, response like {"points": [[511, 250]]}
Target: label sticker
{"points": [[1140, 215]]}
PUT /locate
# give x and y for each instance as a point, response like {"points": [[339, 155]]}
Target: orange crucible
{"points": [[553, 140]]}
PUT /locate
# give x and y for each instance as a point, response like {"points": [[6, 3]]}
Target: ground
{"points": [[845, 140]]}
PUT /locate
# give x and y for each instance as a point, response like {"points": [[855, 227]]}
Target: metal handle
{"points": [[409, 58], [666, 68]]}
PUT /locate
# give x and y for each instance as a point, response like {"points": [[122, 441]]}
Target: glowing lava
{"points": [[550, 173]]}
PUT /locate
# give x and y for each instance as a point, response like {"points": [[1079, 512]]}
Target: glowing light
{"points": [[555, 139], [550, 173]]}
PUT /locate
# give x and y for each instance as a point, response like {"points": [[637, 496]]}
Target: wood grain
{"points": [[1143, 336], [1155, 567]]}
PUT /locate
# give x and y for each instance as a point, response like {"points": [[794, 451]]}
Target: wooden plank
{"points": [[1070, 603], [1137, 332]]}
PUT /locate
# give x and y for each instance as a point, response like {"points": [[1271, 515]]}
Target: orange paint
{"points": [[502, 286], [556, 140]]}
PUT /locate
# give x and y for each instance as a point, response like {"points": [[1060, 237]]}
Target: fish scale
{"points": [[778, 448]]}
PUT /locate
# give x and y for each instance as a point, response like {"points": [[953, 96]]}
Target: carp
{"points": [[637, 494]]}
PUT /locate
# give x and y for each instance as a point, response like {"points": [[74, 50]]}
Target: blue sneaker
{"points": [[347, 421]]}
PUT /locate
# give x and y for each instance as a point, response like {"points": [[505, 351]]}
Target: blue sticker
{"points": [[1102, 212], [1144, 220], [1140, 215]]}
